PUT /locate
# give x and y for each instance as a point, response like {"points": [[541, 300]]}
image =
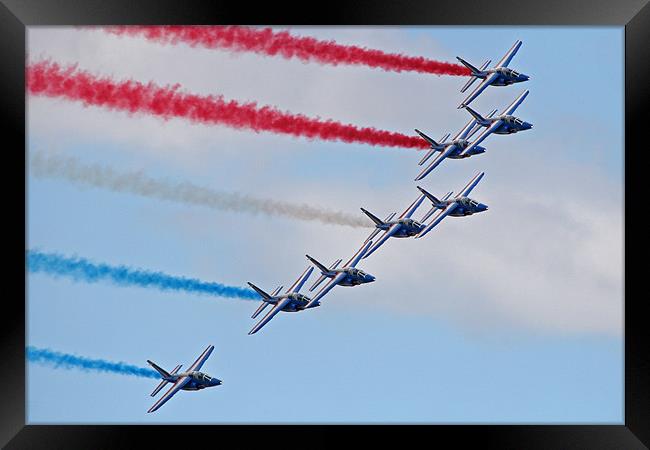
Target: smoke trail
{"points": [[188, 193], [80, 269], [281, 43], [51, 80], [67, 361]]}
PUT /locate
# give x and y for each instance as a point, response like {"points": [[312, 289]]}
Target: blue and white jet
{"points": [[402, 227], [459, 206], [452, 149], [348, 275], [499, 75], [504, 123], [190, 380], [290, 301]]}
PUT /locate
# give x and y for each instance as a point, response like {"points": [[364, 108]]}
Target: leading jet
{"points": [[190, 380], [402, 227], [452, 149], [348, 275], [499, 75], [504, 123], [290, 301], [459, 206]]}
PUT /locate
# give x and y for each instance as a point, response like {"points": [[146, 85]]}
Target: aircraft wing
{"points": [[471, 185], [414, 206], [196, 365], [270, 315], [352, 262], [443, 213], [325, 289], [462, 134], [433, 164], [295, 287], [481, 137], [479, 89], [391, 231], [508, 56], [177, 386], [510, 109]]}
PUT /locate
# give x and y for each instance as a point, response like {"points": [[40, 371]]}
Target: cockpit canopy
{"points": [[466, 201], [356, 272], [298, 296], [509, 72], [411, 222], [200, 376]]}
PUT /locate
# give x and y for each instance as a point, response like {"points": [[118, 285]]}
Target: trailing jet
{"points": [[459, 206], [499, 75], [290, 301], [504, 123], [452, 149], [402, 227], [190, 380], [348, 275]]}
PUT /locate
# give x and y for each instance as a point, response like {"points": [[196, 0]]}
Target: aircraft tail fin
{"points": [[437, 203], [479, 118], [163, 382], [427, 138], [264, 295], [321, 267], [374, 218], [323, 276], [159, 369], [475, 73]]}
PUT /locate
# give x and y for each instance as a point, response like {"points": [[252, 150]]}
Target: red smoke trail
{"points": [[51, 80], [268, 42]]}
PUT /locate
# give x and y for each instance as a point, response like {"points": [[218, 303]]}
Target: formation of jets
{"points": [[403, 226]]}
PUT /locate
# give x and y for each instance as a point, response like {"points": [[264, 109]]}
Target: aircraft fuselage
{"points": [[298, 302], [198, 380], [460, 145], [407, 228], [466, 207], [505, 77], [511, 124], [353, 276]]}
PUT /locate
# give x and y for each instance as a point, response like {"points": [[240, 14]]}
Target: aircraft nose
{"points": [[483, 207], [371, 278], [525, 77]]}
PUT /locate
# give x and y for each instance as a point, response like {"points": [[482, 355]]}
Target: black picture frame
{"points": [[16, 15]]}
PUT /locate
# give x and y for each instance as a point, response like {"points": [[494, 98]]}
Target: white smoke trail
{"points": [[68, 168]]}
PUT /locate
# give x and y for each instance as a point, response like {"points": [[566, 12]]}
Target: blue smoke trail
{"points": [[80, 269], [68, 361]]}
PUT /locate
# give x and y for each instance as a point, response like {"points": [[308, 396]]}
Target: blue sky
{"points": [[512, 316]]}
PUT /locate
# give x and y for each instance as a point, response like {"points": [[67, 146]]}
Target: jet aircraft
{"points": [[504, 123], [459, 206], [190, 380], [452, 149], [402, 227], [290, 301], [348, 275], [499, 75]]}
